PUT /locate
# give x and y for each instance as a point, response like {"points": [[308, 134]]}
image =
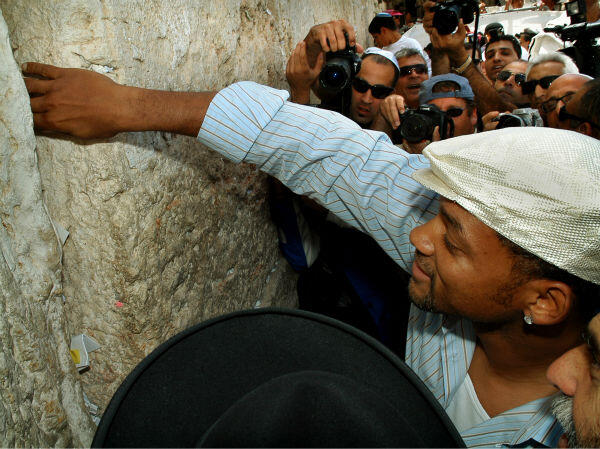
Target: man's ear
{"points": [[548, 302]]}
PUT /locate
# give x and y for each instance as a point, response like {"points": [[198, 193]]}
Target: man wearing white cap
{"points": [[374, 81], [505, 263]]}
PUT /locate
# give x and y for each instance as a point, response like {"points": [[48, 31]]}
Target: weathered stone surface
{"points": [[156, 222]]}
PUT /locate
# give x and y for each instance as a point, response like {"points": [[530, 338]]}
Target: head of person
{"points": [[507, 243], [561, 91], [413, 71], [509, 81], [582, 112], [383, 29], [453, 95], [542, 70], [500, 51], [525, 37], [375, 80], [576, 373], [493, 30]]}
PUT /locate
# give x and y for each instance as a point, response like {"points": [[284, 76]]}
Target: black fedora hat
{"points": [[274, 378]]}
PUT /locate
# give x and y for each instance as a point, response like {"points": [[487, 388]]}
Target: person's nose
{"points": [[421, 238], [569, 369], [367, 97], [540, 93]]}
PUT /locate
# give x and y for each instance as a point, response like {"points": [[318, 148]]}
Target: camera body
{"points": [[418, 124], [339, 70], [519, 117], [447, 14]]}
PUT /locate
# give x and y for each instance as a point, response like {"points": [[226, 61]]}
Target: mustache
{"points": [[421, 260]]}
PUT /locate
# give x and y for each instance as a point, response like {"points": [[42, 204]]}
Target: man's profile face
{"points": [[408, 86], [561, 92], [463, 123], [577, 374], [542, 70], [364, 106], [462, 268], [383, 38], [510, 89], [497, 55]]}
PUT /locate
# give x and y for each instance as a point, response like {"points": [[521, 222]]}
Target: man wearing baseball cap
{"points": [[451, 93], [500, 230]]}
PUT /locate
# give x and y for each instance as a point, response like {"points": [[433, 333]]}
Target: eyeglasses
{"points": [[419, 69], [529, 86], [564, 115], [550, 104], [379, 91], [454, 112], [504, 75]]}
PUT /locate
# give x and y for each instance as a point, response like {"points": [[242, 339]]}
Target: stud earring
{"points": [[528, 319]]}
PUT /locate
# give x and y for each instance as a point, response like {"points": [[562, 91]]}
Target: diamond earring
{"points": [[528, 319]]}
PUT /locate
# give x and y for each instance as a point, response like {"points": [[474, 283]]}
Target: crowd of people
{"points": [[471, 251]]}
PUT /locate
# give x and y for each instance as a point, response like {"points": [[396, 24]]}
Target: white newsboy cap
{"points": [[538, 187]]}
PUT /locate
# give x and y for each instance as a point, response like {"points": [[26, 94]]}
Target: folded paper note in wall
{"points": [[81, 346]]}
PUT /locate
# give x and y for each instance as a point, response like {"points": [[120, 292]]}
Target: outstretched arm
{"points": [[88, 105]]}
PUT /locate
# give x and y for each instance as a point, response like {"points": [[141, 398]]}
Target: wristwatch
{"points": [[461, 69]]}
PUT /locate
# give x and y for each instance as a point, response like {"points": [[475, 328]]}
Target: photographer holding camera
{"points": [[327, 62], [447, 109]]}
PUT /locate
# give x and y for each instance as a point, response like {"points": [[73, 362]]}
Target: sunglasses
{"points": [[379, 91], [504, 75], [417, 68], [564, 115], [529, 86], [550, 105], [454, 112]]}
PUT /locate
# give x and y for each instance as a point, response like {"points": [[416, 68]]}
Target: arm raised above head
{"points": [[88, 105]]}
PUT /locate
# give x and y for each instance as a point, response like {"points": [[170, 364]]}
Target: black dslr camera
{"points": [[418, 124], [339, 70], [447, 14], [519, 117]]}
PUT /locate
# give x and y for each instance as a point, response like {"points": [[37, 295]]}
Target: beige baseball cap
{"points": [[538, 187]]}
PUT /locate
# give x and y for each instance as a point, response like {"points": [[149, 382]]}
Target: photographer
{"points": [[455, 113], [582, 112], [374, 81]]}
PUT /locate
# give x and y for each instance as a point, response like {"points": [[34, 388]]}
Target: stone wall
{"points": [[160, 234]]}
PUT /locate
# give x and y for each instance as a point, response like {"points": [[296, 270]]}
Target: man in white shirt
{"points": [[387, 37]]}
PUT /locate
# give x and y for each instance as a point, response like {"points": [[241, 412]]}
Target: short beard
{"points": [[562, 409], [427, 303]]}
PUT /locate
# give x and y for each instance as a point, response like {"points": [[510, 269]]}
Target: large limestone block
{"points": [[161, 233]]}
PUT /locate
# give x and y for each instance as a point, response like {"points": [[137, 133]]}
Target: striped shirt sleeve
{"points": [[358, 175]]}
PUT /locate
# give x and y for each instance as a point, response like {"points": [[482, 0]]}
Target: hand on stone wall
{"points": [[89, 105]]}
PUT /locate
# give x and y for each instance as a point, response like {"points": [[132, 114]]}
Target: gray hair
{"points": [[555, 56], [408, 51]]}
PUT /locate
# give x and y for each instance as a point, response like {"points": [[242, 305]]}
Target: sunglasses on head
{"points": [[529, 86], [379, 91], [417, 68], [504, 75], [550, 104]]}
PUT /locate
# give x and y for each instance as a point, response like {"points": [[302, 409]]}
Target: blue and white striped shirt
{"points": [[366, 181]]}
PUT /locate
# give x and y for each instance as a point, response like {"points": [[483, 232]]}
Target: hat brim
{"points": [[428, 178], [182, 388]]}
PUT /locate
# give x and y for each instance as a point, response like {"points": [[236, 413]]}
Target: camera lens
{"points": [[445, 19], [509, 121], [336, 75], [416, 128]]}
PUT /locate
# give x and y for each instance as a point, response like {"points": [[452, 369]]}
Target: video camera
{"points": [[417, 125], [584, 51], [519, 117], [447, 14]]}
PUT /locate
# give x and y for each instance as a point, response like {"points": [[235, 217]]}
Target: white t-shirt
{"points": [[465, 410], [409, 42]]}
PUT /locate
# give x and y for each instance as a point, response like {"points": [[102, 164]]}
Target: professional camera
{"points": [[519, 117], [584, 51], [339, 69], [447, 14], [418, 124]]}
